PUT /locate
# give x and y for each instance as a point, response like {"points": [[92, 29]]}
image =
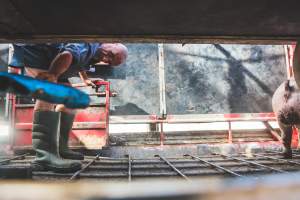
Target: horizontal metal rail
{"points": [[251, 162], [216, 166], [277, 159], [192, 118], [173, 167], [5, 161]]}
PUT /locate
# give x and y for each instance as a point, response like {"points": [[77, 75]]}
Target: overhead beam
{"points": [[182, 39], [182, 21]]}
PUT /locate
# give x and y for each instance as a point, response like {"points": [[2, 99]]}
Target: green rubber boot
{"points": [[67, 120], [45, 143]]}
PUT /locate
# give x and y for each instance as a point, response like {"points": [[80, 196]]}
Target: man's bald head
{"points": [[113, 54]]}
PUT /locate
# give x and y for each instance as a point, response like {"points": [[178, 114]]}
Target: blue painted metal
{"points": [[43, 90]]}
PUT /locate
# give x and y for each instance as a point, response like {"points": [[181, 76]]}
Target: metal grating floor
{"points": [[184, 167]]}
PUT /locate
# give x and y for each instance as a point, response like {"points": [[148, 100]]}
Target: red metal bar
{"points": [[229, 133], [76, 125], [107, 107], [196, 118]]}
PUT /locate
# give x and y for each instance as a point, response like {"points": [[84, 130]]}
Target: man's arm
{"points": [[59, 65], [85, 79], [83, 76]]}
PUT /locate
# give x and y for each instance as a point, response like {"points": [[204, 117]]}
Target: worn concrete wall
{"points": [[136, 81], [200, 79], [218, 78]]}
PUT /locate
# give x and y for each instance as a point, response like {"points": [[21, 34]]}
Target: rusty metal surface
{"points": [[144, 20], [185, 166]]}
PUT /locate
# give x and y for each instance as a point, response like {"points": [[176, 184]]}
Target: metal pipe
{"points": [[200, 118], [161, 134], [7, 99], [129, 168], [162, 82], [76, 174], [216, 166], [229, 133], [173, 167]]}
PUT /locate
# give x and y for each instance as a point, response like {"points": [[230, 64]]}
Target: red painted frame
{"points": [[90, 129], [26, 127]]}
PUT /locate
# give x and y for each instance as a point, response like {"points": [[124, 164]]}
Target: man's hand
{"points": [[47, 77], [89, 82]]}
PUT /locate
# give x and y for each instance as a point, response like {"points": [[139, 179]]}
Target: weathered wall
{"points": [[218, 78], [136, 82], [199, 79]]}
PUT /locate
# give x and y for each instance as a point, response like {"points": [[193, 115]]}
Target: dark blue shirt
{"points": [[83, 55], [40, 56]]}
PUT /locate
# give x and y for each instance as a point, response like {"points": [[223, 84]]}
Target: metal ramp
{"points": [[186, 167]]}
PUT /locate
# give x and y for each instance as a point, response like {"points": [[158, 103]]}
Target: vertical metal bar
{"points": [[216, 166], [162, 82], [229, 132], [288, 60], [9, 100], [129, 168], [107, 106], [7, 105], [161, 135], [173, 167], [162, 89], [10, 108], [252, 163]]}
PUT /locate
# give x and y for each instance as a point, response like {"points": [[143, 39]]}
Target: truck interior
{"points": [[189, 114]]}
